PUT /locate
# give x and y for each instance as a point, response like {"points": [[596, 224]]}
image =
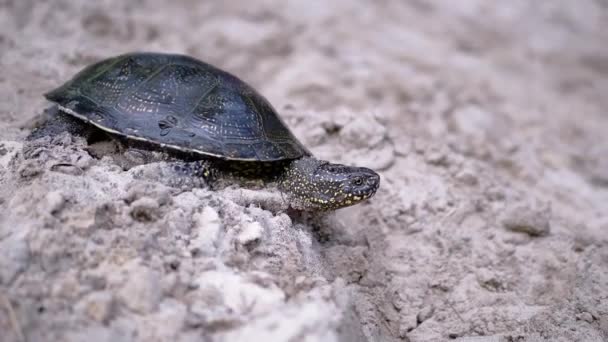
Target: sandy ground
{"points": [[487, 121]]}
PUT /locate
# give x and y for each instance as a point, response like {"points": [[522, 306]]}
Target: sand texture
{"points": [[487, 121]]}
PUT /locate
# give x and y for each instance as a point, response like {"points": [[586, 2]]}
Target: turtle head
{"points": [[319, 185]]}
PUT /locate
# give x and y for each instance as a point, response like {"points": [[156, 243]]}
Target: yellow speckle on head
{"points": [[348, 202], [357, 198], [206, 173]]}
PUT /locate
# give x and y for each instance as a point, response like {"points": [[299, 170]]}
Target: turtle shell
{"points": [[181, 103]]}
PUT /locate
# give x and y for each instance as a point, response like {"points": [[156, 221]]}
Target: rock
{"points": [[142, 289], [363, 132], [67, 286], [380, 157], [407, 324], [30, 169], [167, 322], [436, 156], [489, 280], [55, 202], [585, 316], [467, 176], [205, 232], [96, 333], [473, 120], [98, 306], [425, 313], [251, 232], [107, 215], [67, 168], [269, 199], [595, 165], [139, 190], [494, 338], [145, 209], [530, 219], [15, 256]]}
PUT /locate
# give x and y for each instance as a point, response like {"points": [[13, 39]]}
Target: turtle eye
{"points": [[358, 181], [331, 168]]}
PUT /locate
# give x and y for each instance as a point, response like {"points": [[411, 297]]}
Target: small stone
{"points": [[489, 280], [94, 281], [363, 132], [467, 177], [67, 286], [107, 214], [595, 165], [494, 338], [144, 189], [205, 231], [145, 209], [15, 256], [142, 289], [251, 232], [67, 168], [403, 146], [425, 313], [530, 219], [98, 306], [436, 156], [585, 316], [407, 324], [30, 169], [473, 120], [55, 201]]}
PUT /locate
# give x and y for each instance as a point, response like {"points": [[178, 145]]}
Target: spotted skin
{"points": [[314, 184]]}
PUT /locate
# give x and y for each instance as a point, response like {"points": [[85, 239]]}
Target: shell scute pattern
{"points": [[179, 102]]}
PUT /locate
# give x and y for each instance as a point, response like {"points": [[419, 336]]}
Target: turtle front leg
{"points": [[177, 174]]}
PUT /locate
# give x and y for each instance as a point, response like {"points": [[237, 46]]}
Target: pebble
{"points": [[425, 313], [473, 120], [142, 289], [16, 256], [141, 190], [145, 209], [67, 168], [205, 231], [467, 177], [55, 201], [98, 306], [437, 157], [30, 169], [494, 338], [252, 231], [403, 147], [363, 132], [407, 324], [530, 219], [585, 316]]}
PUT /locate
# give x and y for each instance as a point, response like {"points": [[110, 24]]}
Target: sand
{"points": [[486, 120]]}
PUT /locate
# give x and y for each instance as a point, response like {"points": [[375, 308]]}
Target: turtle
{"points": [[219, 125]]}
